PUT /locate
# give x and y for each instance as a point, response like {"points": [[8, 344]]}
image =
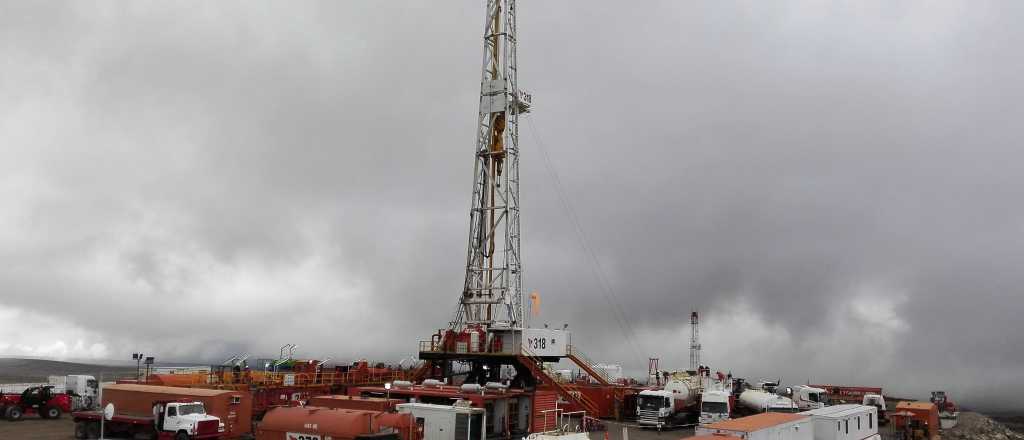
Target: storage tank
{"points": [[762, 401], [338, 424], [684, 392]]}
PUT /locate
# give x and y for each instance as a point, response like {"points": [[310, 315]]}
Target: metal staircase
{"points": [[586, 364], [569, 392]]}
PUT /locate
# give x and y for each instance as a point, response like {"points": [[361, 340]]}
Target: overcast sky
{"points": [[835, 186]]}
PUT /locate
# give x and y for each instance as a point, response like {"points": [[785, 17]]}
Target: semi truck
{"points": [[807, 397], [668, 406], [169, 420], [715, 406]]}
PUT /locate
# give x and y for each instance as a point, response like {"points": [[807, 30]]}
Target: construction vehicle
{"points": [[37, 400], [668, 406], [80, 387], [169, 420], [949, 414]]}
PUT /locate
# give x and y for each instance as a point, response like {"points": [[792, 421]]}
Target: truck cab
{"points": [[655, 408], [808, 398], [877, 401], [185, 420], [714, 407]]}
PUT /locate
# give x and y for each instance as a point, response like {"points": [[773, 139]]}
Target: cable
{"points": [[609, 295]]}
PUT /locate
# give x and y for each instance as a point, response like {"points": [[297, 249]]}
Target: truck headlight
{"points": [[220, 427]]}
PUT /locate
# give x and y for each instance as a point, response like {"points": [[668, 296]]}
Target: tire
{"points": [[92, 430], [181, 435], [50, 412], [14, 413], [80, 430]]}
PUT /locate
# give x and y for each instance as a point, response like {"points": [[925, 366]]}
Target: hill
{"points": [[37, 370]]}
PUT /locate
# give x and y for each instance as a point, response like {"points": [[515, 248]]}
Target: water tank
{"points": [[401, 384]]}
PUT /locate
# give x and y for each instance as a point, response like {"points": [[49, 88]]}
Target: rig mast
{"points": [[694, 341], [492, 295]]}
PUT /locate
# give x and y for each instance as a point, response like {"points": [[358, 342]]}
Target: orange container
{"points": [[353, 402], [338, 424]]}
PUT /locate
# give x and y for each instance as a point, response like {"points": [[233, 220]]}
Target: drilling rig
{"points": [[489, 329]]}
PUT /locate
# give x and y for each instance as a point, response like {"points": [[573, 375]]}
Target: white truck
{"points": [[715, 406], [667, 407], [877, 401], [808, 397]]}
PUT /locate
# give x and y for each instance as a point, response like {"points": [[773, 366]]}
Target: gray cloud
{"points": [[832, 185]]}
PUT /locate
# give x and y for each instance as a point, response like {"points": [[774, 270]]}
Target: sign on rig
{"points": [[545, 342]]}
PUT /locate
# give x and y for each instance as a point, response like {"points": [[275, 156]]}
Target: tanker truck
{"points": [[668, 406], [760, 401]]}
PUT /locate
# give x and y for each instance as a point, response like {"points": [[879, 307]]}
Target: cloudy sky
{"points": [[835, 186]]}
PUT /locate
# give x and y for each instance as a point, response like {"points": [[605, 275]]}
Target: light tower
{"points": [[694, 341], [492, 294]]}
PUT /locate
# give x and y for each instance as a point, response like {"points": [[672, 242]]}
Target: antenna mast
{"points": [[694, 341]]}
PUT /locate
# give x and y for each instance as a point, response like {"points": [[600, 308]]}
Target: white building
{"points": [[845, 422], [447, 422]]}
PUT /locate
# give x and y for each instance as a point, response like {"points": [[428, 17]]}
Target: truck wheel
{"points": [[182, 435], [51, 412], [14, 413], [92, 430], [80, 431]]}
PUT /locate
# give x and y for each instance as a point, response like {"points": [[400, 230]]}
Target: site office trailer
{"points": [[764, 426], [845, 422], [445, 422]]}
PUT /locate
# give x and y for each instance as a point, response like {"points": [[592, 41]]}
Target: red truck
{"points": [[39, 400]]}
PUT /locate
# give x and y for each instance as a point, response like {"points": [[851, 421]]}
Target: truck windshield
{"points": [[814, 397], [714, 407], [191, 408], [652, 402]]}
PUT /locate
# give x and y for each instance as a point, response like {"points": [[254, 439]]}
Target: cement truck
{"points": [[760, 401], [668, 406]]}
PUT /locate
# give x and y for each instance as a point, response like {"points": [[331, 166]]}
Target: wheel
{"points": [[14, 413], [181, 436], [92, 430], [51, 412], [80, 430]]}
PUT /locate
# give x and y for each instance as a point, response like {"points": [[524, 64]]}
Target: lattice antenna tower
{"points": [[694, 341]]}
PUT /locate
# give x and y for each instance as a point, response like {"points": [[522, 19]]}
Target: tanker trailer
{"points": [[315, 423]]}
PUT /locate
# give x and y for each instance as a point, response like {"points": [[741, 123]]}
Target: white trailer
{"points": [[764, 426], [447, 422], [845, 422]]}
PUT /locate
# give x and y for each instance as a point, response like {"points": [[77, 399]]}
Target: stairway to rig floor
{"points": [[569, 392], [587, 365]]}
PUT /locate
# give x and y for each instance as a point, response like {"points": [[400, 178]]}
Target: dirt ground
{"points": [[34, 428]]}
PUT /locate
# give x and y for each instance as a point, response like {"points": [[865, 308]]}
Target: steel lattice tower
{"points": [[492, 294], [694, 342]]}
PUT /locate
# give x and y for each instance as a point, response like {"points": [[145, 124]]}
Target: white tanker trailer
{"points": [[763, 401], [668, 406]]}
